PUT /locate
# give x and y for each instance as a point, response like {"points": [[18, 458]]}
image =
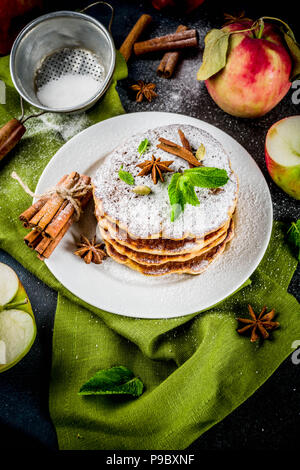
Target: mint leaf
{"points": [[294, 237], [143, 146], [188, 191], [125, 176], [215, 53], [207, 177], [181, 188], [118, 380], [175, 196]]}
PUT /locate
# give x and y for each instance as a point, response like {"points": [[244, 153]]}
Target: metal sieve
{"points": [[51, 46], [59, 43]]}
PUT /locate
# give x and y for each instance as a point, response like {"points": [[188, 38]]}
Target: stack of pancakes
{"points": [[137, 230]]}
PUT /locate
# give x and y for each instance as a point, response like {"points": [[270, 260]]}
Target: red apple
{"points": [[282, 151], [256, 75], [186, 5]]}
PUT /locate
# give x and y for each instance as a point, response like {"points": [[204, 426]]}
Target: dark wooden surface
{"points": [[270, 419]]}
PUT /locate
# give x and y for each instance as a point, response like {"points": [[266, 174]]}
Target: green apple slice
{"points": [[9, 284], [2, 353], [17, 330], [17, 322]]}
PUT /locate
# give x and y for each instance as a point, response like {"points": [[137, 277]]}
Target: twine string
{"points": [[71, 195]]}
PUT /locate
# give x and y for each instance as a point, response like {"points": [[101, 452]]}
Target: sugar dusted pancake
{"points": [[149, 216], [138, 231]]}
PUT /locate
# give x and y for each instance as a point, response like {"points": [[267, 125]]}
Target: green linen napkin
{"points": [[196, 369]]}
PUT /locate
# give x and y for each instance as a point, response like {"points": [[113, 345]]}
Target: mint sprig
{"points": [[125, 176], [181, 188], [294, 237], [143, 146]]}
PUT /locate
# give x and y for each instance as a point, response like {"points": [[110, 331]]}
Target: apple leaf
{"points": [[215, 53], [294, 237], [294, 50], [117, 380]]}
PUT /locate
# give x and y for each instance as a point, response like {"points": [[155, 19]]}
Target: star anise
{"points": [[155, 167], [239, 18], [90, 251], [259, 324], [144, 90]]}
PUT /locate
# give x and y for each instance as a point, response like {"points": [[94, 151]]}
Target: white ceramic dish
{"points": [[117, 289]]}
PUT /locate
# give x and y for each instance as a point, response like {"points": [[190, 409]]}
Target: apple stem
{"points": [[261, 27]]}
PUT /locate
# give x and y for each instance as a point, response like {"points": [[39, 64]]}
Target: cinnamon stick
{"points": [[36, 207], [136, 31], [64, 214], [185, 143], [61, 214], [32, 211], [170, 59], [175, 149], [48, 245], [33, 238], [170, 42], [48, 211]]}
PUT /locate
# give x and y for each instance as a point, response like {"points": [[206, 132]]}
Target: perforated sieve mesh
{"points": [[69, 60]]}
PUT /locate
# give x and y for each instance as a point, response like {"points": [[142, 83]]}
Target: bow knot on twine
{"points": [[71, 195]]}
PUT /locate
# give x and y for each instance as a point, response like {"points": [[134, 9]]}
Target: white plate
{"points": [[116, 288]]}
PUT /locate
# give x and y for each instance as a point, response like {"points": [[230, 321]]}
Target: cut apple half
{"points": [[282, 152], [17, 323]]}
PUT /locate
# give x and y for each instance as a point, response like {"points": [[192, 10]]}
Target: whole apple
{"points": [[282, 153], [256, 75]]}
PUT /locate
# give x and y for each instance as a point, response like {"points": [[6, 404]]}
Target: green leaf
{"points": [[125, 176], [143, 146], [294, 237], [181, 188], [118, 380], [188, 191], [207, 177], [215, 53], [175, 196], [294, 50]]}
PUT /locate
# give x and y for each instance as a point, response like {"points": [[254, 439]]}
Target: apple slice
{"points": [[2, 353], [9, 284], [17, 323], [282, 153]]}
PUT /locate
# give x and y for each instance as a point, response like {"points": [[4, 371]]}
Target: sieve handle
{"points": [[103, 3], [10, 135]]}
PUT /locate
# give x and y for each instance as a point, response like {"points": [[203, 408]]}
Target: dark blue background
{"points": [[270, 419]]}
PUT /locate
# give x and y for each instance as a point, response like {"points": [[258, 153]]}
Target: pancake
{"points": [[159, 246], [196, 265], [157, 259], [148, 217], [138, 231]]}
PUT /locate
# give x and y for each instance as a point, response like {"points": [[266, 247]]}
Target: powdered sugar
{"points": [[66, 125], [68, 91], [151, 214]]}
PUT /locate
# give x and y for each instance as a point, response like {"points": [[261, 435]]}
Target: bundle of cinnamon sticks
{"points": [[50, 217], [172, 44]]}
